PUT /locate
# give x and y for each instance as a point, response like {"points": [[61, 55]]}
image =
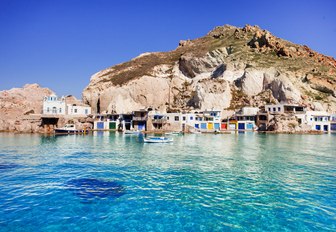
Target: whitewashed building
{"points": [[54, 105], [74, 109], [284, 108], [318, 120], [246, 118], [208, 120], [180, 121], [58, 106]]}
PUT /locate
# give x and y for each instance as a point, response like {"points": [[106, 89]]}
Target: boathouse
{"points": [[158, 120], [139, 120], [333, 123], [246, 118], [318, 120], [262, 120], [208, 120]]}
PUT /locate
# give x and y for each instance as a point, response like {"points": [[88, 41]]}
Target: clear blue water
{"points": [[231, 182]]}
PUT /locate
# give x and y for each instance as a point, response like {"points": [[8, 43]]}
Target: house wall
{"points": [[318, 120], [54, 105], [78, 110], [249, 110], [275, 109]]}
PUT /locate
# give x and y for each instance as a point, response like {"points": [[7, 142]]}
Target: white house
{"points": [[74, 109], [180, 121], [285, 108], [246, 118], [297, 110], [208, 120], [54, 105], [318, 120]]}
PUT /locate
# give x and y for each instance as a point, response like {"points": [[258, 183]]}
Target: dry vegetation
{"points": [[230, 37]]}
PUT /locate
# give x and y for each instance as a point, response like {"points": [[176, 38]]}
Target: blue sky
{"points": [[60, 44]]}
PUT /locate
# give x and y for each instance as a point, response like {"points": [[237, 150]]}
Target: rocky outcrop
{"points": [[228, 68], [20, 110], [17, 103], [286, 123]]}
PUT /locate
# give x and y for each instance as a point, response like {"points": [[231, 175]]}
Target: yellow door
{"points": [[210, 126]]}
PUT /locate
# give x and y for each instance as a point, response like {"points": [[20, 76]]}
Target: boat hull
{"points": [[158, 140], [65, 131]]}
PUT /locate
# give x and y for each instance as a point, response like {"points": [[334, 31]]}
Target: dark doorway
{"points": [[98, 106]]}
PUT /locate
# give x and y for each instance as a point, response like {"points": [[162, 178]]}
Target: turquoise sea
{"points": [[203, 182]]}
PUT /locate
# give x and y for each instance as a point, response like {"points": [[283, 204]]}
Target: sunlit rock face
{"points": [[17, 103], [228, 68]]}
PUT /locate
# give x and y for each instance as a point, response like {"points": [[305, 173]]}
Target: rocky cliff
{"points": [[17, 103], [20, 110], [228, 68]]}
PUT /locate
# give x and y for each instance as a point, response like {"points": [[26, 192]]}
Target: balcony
{"points": [[138, 118], [159, 121]]}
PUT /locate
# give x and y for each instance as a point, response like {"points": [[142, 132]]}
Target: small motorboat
{"points": [[158, 140], [68, 129], [177, 133], [131, 132]]}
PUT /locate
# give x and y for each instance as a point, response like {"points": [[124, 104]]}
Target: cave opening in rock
{"points": [[98, 106]]}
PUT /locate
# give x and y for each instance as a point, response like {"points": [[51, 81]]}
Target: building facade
{"points": [[318, 120], [74, 109], [54, 105]]}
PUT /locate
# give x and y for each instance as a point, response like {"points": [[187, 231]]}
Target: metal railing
{"points": [[144, 118]]}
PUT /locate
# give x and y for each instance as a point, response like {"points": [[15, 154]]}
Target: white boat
{"points": [[131, 132], [173, 133], [68, 129], [158, 140], [177, 133], [197, 132]]}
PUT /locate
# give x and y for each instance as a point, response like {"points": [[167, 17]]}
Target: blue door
{"points": [[241, 126], [197, 126], [333, 127], [249, 126], [318, 127], [325, 128], [141, 126], [100, 125], [217, 126], [203, 125]]}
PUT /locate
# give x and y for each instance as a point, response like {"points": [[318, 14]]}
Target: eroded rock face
{"points": [[230, 67], [17, 103], [286, 124]]}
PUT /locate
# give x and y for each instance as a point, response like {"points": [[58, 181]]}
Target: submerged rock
{"points": [[6, 166], [90, 188]]}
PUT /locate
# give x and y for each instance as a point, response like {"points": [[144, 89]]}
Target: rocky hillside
{"points": [[16, 103], [228, 68]]}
